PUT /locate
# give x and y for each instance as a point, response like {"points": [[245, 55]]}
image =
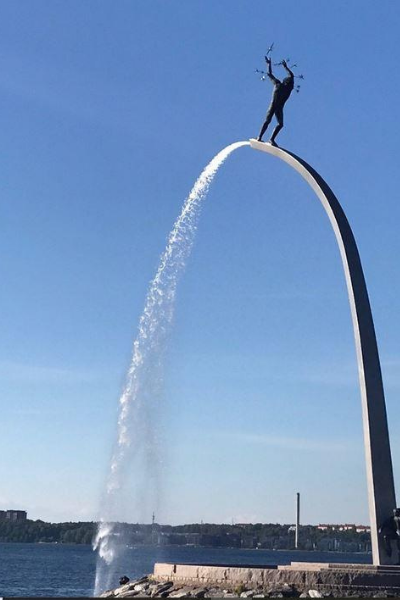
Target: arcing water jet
{"points": [[136, 442]]}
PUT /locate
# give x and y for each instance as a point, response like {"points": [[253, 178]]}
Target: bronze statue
{"points": [[282, 91], [390, 530]]}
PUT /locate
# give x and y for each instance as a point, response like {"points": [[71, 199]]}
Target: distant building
{"points": [[16, 515], [335, 527], [346, 527], [363, 529], [2, 515]]}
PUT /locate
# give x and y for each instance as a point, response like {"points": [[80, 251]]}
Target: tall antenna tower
{"points": [[296, 535]]}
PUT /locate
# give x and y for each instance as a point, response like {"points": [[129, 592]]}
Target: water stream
{"points": [[136, 446]]}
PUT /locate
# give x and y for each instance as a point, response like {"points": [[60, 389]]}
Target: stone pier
{"points": [[337, 579]]}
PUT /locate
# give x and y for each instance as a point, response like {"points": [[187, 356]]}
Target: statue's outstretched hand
{"points": [[268, 60]]}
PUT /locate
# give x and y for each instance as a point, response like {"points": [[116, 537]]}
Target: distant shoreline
{"points": [[262, 536], [283, 550]]}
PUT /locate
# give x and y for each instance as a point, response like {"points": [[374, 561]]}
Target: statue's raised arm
{"points": [[285, 66], [269, 72]]}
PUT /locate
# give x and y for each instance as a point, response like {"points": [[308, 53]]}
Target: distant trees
{"points": [[39, 531], [245, 535]]}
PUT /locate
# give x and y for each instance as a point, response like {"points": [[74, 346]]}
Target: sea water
{"points": [[69, 570]]}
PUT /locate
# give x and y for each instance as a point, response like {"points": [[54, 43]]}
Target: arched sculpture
{"points": [[381, 493]]}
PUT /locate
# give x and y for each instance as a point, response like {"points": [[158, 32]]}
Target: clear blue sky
{"points": [[109, 111]]}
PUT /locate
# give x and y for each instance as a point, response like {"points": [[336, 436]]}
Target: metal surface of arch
{"points": [[381, 492]]}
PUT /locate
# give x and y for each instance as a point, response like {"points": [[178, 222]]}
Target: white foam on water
{"points": [[136, 437]]}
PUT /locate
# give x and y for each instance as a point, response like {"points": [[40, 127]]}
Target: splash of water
{"points": [[135, 434]]}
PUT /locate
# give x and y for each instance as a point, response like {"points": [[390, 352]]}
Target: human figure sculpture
{"points": [[281, 93], [123, 580], [390, 529]]}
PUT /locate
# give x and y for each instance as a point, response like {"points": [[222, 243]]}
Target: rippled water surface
{"points": [[69, 570]]}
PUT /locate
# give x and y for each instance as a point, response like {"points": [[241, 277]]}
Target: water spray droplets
{"points": [[134, 437]]}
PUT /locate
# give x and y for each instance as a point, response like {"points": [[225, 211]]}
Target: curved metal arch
{"points": [[381, 492]]}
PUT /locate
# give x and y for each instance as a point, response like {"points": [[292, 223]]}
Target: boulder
{"points": [[214, 593], [181, 593], [161, 588], [198, 593], [283, 591], [141, 587], [122, 589], [144, 579]]}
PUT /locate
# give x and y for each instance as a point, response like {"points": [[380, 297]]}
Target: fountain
{"points": [[137, 396], [136, 443]]}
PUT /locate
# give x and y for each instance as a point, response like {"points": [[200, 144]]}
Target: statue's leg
{"points": [[279, 117], [267, 121], [398, 549], [388, 544]]}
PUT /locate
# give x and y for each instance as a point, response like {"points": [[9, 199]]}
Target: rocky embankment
{"points": [[149, 587]]}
